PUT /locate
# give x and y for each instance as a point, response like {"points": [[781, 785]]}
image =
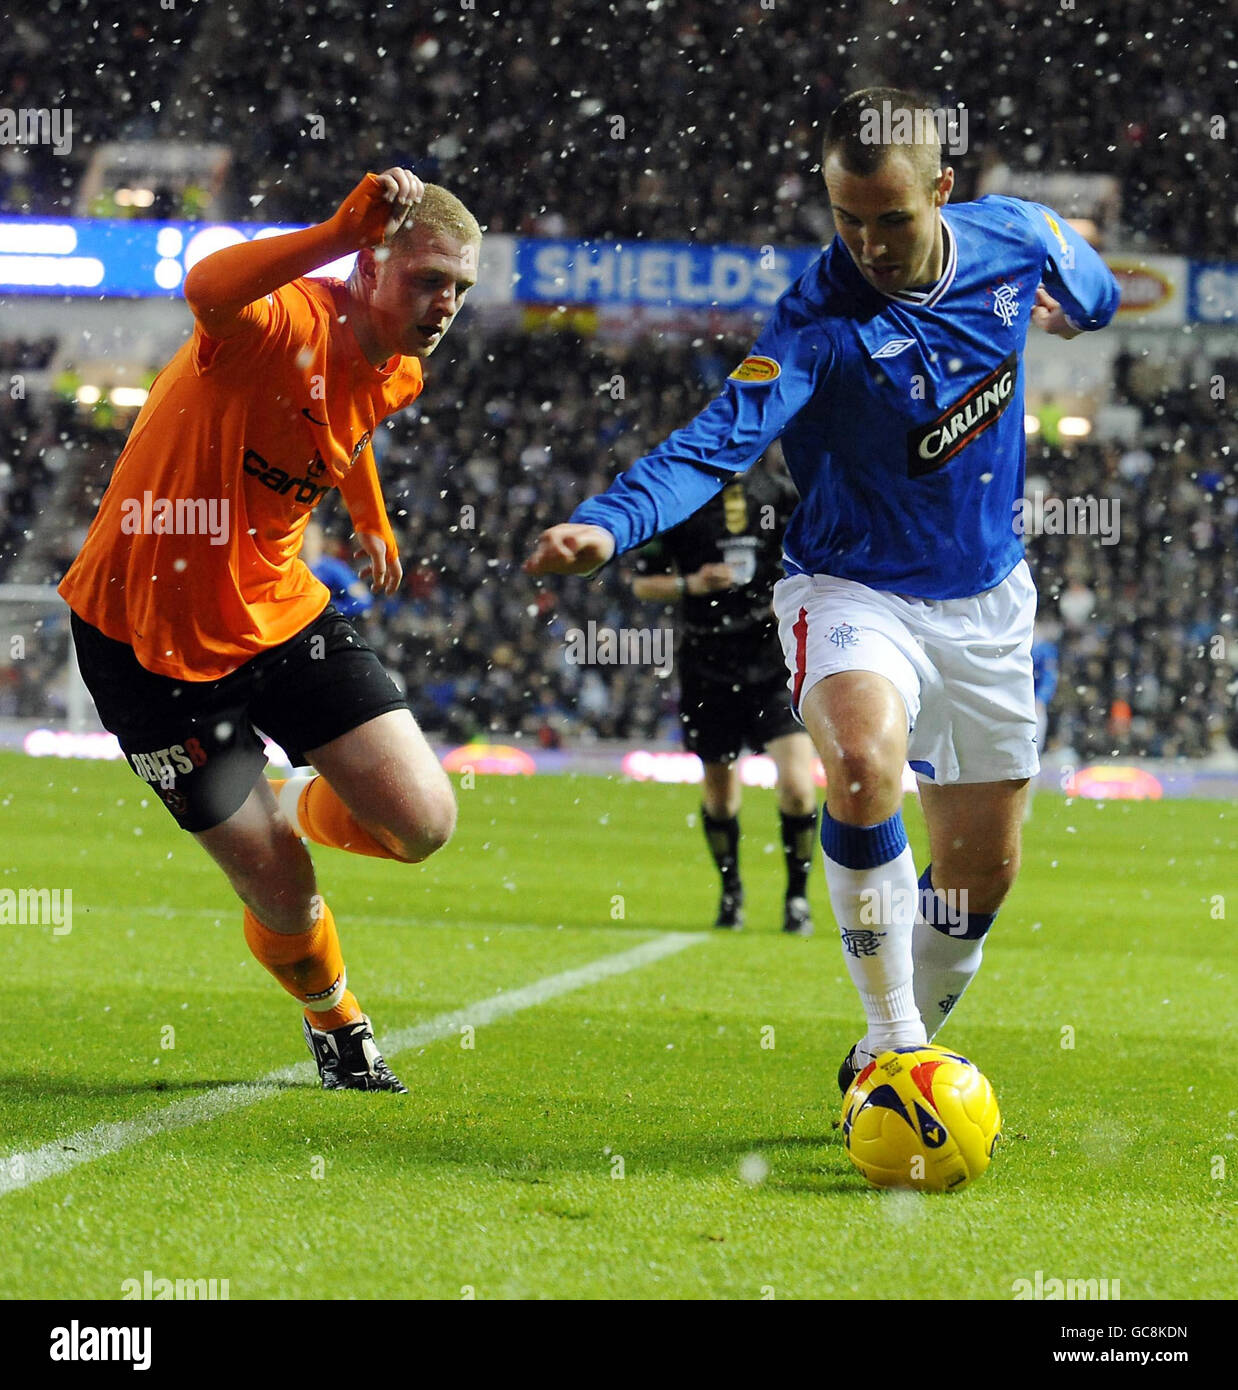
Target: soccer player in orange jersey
{"points": [[195, 621]]}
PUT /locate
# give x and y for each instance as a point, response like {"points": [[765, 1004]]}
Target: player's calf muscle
{"points": [[975, 832], [986, 877], [278, 888]]}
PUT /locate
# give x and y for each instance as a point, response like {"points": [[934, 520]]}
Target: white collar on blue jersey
{"points": [[950, 257]]}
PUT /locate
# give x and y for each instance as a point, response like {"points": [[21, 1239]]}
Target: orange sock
{"points": [[310, 966], [327, 821]]}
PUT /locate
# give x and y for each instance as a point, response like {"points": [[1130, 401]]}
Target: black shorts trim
{"points": [[196, 743]]}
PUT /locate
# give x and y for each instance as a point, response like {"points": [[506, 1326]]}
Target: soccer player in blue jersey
{"points": [[892, 372]]}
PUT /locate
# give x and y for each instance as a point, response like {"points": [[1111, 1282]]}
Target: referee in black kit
{"points": [[722, 564]]}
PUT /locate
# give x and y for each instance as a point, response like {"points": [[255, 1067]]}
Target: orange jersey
{"points": [[192, 558]]}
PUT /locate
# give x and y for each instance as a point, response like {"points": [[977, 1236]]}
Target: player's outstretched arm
{"points": [[221, 286], [693, 464], [571, 548]]}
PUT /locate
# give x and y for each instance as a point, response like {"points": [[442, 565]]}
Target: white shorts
{"points": [[963, 666]]}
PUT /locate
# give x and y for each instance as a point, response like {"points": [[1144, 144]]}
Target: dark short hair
{"points": [[848, 133]]}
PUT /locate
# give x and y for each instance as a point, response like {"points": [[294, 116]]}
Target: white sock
{"points": [[289, 796], [945, 966], [876, 912]]}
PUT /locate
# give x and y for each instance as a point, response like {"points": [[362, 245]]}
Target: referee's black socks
{"points": [[799, 839], [722, 836]]}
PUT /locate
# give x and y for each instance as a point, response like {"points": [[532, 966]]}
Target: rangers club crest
{"points": [[1006, 302], [861, 942]]}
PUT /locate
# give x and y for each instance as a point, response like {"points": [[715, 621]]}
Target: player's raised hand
{"points": [[378, 207], [384, 576], [1049, 315], [404, 190], [570, 549]]}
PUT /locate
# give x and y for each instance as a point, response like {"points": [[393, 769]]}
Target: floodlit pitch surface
{"points": [[649, 1125]]}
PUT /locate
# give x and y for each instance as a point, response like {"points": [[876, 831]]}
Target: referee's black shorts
{"points": [[721, 715], [196, 742]]}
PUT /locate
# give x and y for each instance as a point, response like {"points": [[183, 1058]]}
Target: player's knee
{"points": [[440, 822], [799, 798], [428, 828], [863, 775]]}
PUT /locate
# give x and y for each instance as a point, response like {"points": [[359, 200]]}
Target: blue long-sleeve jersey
{"points": [[901, 415]]}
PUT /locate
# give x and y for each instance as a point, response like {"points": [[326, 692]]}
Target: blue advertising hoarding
{"points": [[656, 274], [109, 258], [137, 259], [101, 259]]}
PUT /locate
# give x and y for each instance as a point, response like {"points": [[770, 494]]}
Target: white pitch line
{"points": [[20, 1170]]}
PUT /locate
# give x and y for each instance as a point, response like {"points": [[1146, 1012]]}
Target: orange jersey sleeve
{"points": [[192, 558], [222, 288], [363, 496]]}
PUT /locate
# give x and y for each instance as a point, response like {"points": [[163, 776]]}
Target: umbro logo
{"points": [[894, 347]]}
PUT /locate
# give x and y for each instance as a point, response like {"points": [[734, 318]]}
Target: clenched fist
{"points": [[377, 208]]}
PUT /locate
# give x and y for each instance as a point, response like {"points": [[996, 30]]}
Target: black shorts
{"points": [[196, 742], [720, 717]]}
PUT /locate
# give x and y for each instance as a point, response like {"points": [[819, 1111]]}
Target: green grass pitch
{"points": [[1104, 1016]]}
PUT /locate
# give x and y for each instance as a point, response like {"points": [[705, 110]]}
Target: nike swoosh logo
{"points": [[310, 418]]}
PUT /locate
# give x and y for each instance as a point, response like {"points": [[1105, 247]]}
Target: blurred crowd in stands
{"points": [[35, 432], [1145, 627], [633, 118], [677, 120], [514, 429]]}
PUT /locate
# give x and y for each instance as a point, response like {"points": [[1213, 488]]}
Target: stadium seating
{"points": [[617, 119], [614, 118]]}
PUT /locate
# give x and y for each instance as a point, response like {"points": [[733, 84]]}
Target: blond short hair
{"points": [[438, 211]]}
